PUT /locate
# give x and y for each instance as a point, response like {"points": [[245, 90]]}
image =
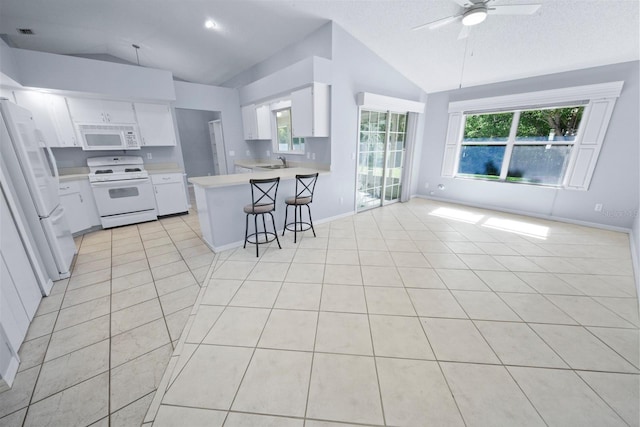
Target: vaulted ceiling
{"points": [[562, 35]]}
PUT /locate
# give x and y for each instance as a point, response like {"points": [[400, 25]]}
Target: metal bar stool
{"points": [[305, 185], [263, 201]]}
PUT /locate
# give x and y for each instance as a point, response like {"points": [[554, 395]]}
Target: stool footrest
{"points": [[273, 236], [298, 226]]}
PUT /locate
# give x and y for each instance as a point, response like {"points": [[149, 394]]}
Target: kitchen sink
{"points": [[272, 167]]}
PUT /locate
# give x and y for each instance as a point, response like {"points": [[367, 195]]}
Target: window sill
{"points": [[500, 181]]}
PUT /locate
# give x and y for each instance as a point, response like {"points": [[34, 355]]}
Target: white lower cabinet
{"points": [[171, 197], [76, 197]]}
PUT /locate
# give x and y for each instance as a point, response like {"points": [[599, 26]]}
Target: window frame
{"points": [[513, 141], [599, 100], [275, 141]]}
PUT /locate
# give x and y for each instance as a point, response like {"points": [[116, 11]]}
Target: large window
{"points": [[285, 141], [526, 146]]}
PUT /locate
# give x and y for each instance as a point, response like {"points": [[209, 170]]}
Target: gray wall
{"points": [[615, 182], [219, 99], [317, 43], [197, 153], [355, 69], [76, 157], [635, 249]]}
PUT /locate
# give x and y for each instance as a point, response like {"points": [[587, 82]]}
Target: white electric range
{"points": [[122, 190]]}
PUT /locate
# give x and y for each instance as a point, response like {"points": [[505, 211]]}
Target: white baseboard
{"points": [[525, 213], [635, 260]]}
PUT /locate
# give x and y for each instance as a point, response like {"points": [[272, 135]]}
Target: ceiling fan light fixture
{"points": [[474, 15]]}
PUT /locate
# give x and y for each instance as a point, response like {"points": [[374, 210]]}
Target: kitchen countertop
{"points": [[243, 178], [77, 174], [154, 168], [250, 163]]}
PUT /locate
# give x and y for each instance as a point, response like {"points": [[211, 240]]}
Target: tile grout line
{"points": [[315, 338], [438, 362], [255, 347]]}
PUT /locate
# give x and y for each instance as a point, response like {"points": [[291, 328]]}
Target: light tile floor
{"points": [[414, 314], [99, 344], [420, 313]]}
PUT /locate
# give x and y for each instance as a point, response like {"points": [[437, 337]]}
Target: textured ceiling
{"points": [[563, 35]]}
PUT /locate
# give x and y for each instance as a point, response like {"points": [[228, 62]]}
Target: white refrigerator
{"points": [[33, 175]]}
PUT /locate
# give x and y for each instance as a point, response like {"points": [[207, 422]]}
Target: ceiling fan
{"points": [[475, 11]]}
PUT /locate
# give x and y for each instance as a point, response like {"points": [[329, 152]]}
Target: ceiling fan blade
{"points": [[437, 24], [514, 9], [464, 32]]}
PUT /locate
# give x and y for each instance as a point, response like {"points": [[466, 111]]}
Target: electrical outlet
{"points": [[308, 156], [598, 207], [341, 200], [149, 156], [232, 153], [313, 156], [248, 153], [426, 185], [353, 156], [268, 153]]}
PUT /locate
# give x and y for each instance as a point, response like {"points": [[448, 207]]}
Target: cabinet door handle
{"points": [[156, 188], [81, 199], [104, 119], [109, 117]]}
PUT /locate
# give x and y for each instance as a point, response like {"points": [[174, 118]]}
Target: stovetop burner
{"points": [[116, 168]]}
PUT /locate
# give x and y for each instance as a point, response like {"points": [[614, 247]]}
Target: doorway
{"points": [[198, 152], [381, 156], [217, 147]]}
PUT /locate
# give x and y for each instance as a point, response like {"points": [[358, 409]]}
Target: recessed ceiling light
{"points": [[210, 24], [474, 15]]}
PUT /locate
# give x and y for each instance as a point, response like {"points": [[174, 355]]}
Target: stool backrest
{"points": [[305, 185], [264, 191]]}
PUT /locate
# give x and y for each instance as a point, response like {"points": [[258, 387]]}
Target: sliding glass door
{"points": [[381, 154]]}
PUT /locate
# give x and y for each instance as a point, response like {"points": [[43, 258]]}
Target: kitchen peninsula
{"points": [[220, 199]]}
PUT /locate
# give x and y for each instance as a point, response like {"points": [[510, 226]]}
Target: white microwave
{"points": [[109, 137]]}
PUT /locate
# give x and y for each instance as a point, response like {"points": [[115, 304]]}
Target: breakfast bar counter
{"points": [[220, 199]]}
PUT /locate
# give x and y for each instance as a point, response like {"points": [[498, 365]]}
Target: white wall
{"points": [[9, 73], [615, 182], [88, 76]]}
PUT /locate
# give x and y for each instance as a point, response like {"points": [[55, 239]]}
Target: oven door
{"points": [[120, 197]]}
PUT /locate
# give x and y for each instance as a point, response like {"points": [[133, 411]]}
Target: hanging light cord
{"points": [[464, 61], [136, 47]]}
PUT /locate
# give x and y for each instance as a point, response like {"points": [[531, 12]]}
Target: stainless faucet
{"points": [[284, 161]]}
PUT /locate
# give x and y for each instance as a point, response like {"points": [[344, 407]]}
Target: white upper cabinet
{"points": [[101, 111], [310, 111], [51, 116], [156, 124], [256, 122]]}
